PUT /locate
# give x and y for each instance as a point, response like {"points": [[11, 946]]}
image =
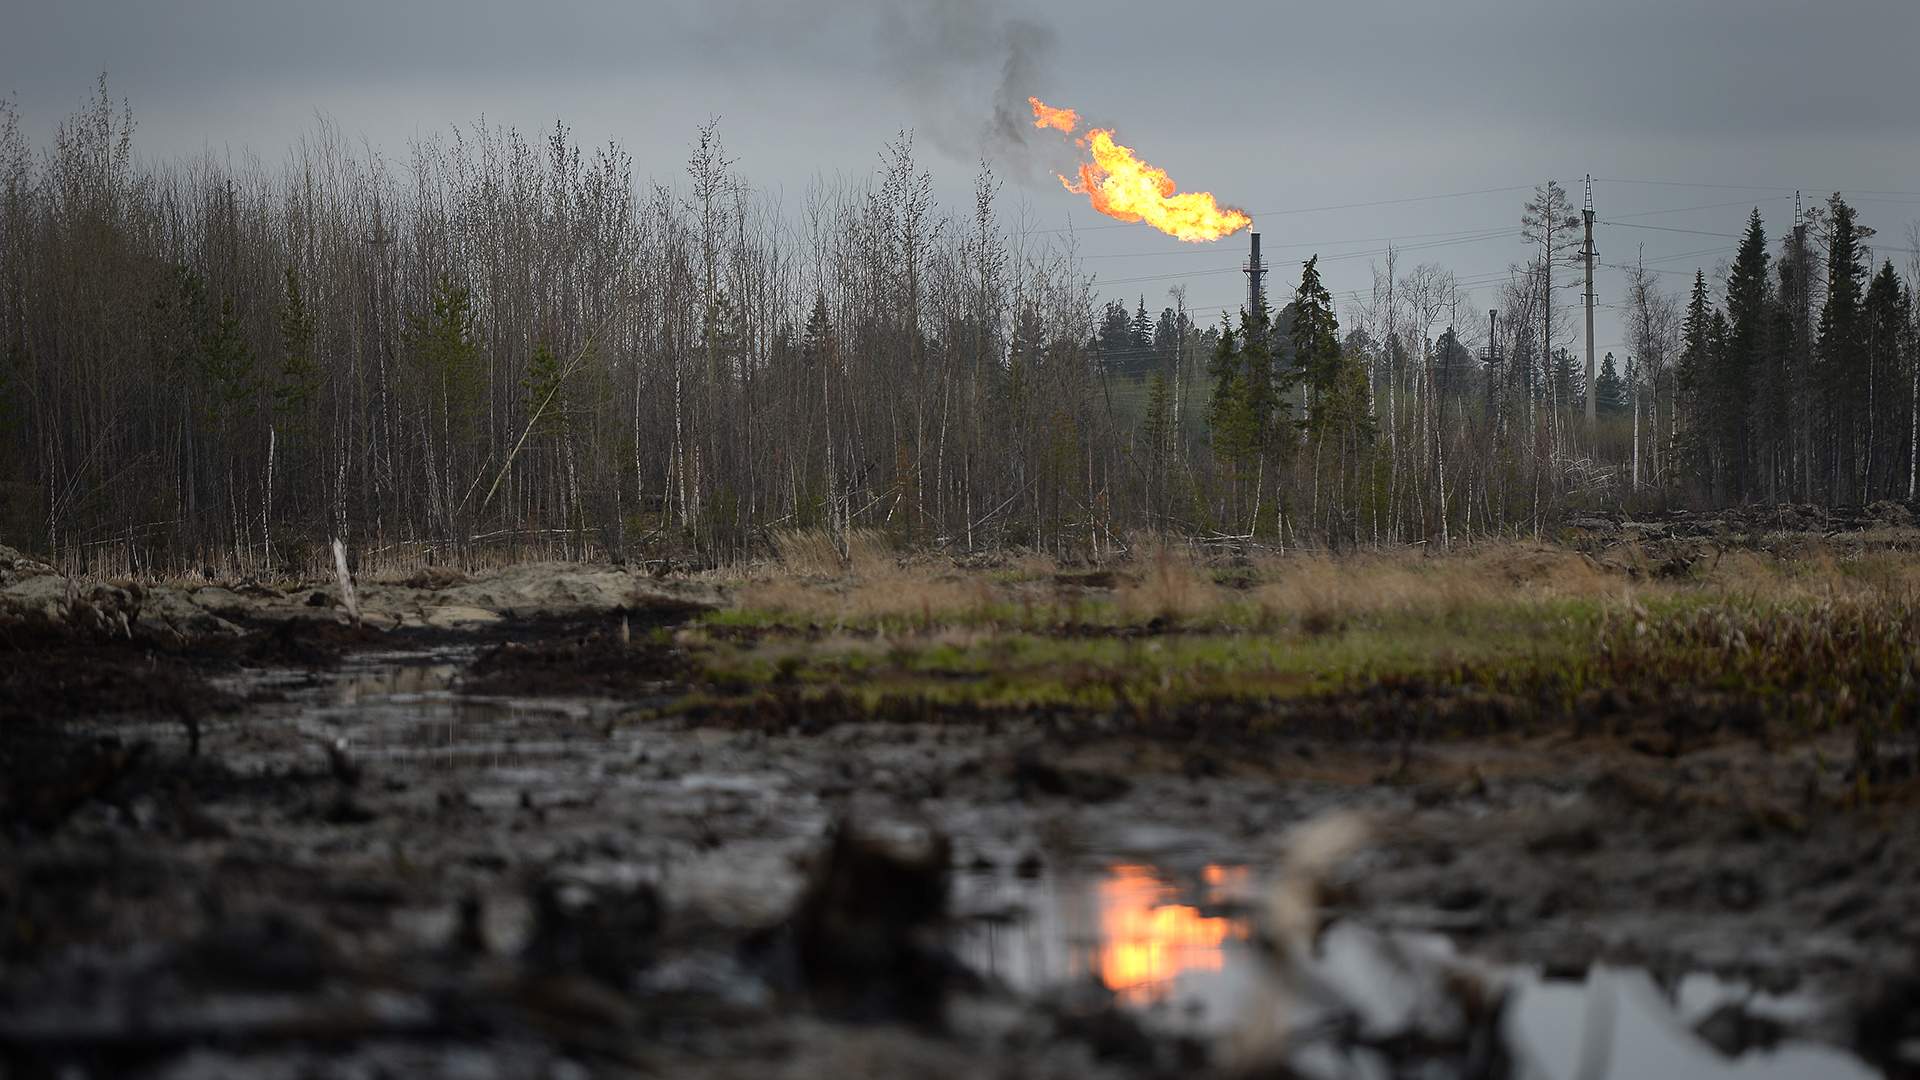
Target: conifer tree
{"points": [[443, 346], [1569, 381], [1453, 365], [1335, 382], [1336, 423], [1226, 410], [1749, 334], [1691, 376], [1610, 390], [1840, 356], [299, 374], [1261, 405], [1156, 434], [817, 347], [445, 350], [541, 385], [1887, 314], [1719, 332], [227, 366]]}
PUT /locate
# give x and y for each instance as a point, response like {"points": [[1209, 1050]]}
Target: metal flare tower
{"points": [[1256, 272]]}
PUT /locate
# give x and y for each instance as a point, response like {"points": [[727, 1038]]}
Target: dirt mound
{"points": [[15, 566], [558, 590]]}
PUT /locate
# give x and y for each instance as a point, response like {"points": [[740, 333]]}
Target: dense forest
{"points": [[509, 342]]}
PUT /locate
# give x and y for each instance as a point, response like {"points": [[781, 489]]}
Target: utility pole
{"points": [[1803, 344], [1495, 396], [1587, 253], [1633, 386]]}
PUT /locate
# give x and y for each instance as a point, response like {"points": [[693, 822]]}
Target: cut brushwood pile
{"points": [[35, 597]]}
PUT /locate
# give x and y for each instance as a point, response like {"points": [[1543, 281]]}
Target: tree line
{"points": [[503, 341], [1787, 404]]}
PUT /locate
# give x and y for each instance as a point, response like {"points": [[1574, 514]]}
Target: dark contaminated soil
{"points": [[554, 848]]}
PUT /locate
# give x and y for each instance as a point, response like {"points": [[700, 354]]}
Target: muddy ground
{"points": [[484, 834]]}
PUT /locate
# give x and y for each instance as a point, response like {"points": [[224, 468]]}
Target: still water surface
{"points": [[1176, 945]]}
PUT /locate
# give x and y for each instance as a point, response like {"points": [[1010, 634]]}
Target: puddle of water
{"points": [[1173, 944], [1177, 949], [406, 706], [1624, 1019], [1159, 945]]}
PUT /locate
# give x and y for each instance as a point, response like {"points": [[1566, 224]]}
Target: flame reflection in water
{"points": [[1147, 940]]}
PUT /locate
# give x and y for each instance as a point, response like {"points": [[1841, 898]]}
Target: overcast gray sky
{"points": [[1282, 108]]}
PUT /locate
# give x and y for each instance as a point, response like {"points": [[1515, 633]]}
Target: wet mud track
{"points": [[510, 855]]}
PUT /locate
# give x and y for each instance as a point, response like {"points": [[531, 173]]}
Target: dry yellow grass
{"points": [[1177, 582], [812, 581], [1318, 586], [1169, 583]]}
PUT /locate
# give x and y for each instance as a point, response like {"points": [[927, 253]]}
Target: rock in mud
{"points": [[867, 929], [44, 780], [270, 952], [1034, 774], [604, 931], [1734, 1030]]}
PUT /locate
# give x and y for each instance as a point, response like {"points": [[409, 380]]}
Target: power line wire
{"points": [[1317, 209], [1708, 206], [1307, 243], [1685, 183], [1671, 229]]}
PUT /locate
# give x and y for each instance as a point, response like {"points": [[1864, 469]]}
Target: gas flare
{"points": [[1046, 116], [1118, 184]]}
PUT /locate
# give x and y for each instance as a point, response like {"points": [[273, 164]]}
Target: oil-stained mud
{"points": [[507, 850]]}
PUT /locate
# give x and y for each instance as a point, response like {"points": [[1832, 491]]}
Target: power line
{"points": [[1307, 243], [1654, 269], [1475, 238], [1396, 202], [1672, 229], [1690, 209], [1318, 209], [1685, 183], [1760, 187]]}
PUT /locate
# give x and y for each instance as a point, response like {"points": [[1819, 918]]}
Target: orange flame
{"points": [[1121, 186], [1147, 941], [1046, 116]]}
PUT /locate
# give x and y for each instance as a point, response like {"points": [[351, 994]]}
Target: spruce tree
{"points": [[443, 343], [1749, 334], [443, 348], [541, 385], [1225, 408], [1887, 314], [1453, 365], [299, 373], [1719, 333], [1691, 376], [1569, 380], [1261, 405], [819, 333], [1114, 338], [1157, 429], [1166, 339], [1840, 356], [1610, 390], [227, 367], [1329, 375]]}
